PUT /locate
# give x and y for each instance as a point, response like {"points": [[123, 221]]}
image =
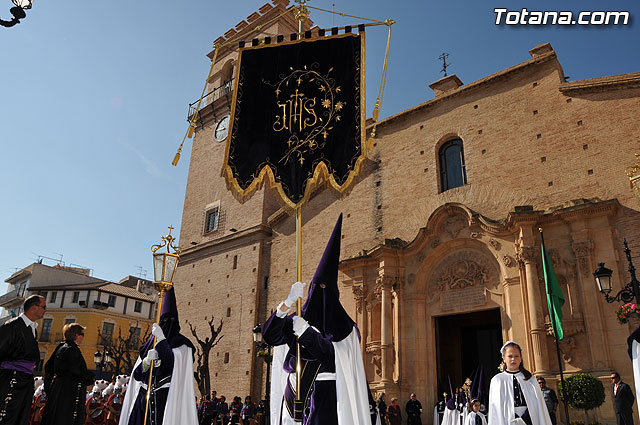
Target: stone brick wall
{"points": [[529, 139]]}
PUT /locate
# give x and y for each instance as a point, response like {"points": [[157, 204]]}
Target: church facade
{"points": [[441, 259]]}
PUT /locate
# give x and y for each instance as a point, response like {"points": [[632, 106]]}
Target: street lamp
{"points": [[627, 294], [164, 267], [102, 361], [264, 352], [18, 12]]}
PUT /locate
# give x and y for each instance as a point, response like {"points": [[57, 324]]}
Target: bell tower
{"points": [[224, 266]]}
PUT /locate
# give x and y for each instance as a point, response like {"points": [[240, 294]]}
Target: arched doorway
{"points": [[467, 346]]}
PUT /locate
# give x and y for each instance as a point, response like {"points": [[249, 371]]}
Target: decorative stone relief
{"points": [[570, 329], [526, 254], [377, 291], [555, 258], [475, 235], [463, 270], [453, 224], [582, 251], [462, 274], [373, 349], [495, 244], [358, 295], [509, 261], [376, 360]]}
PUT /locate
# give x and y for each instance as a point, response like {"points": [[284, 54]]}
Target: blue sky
{"points": [[94, 97]]}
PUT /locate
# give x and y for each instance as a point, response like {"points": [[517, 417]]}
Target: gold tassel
{"points": [[191, 128], [176, 159]]}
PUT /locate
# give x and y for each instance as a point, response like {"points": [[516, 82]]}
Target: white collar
{"points": [[28, 321]]}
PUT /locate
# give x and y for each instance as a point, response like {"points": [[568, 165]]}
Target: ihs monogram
{"points": [[308, 105]]}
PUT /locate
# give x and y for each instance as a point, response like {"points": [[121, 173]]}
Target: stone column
{"points": [[527, 256], [396, 295], [361, 317], [369, 319], [386, 344]]}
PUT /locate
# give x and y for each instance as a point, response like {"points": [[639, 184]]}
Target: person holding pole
{"points": [[333, 384], [172, 387]]}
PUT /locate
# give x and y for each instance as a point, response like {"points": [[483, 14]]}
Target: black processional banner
{"points": [[298, 117]]}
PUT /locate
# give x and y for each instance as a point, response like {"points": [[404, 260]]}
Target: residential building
{"points": [[111, 312]]}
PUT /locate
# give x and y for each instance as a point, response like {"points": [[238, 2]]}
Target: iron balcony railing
{"points": [[224, 90]]}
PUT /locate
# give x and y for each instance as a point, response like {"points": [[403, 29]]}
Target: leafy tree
{"points": [[583, 391]]}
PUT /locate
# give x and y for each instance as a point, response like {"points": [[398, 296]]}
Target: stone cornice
{"points": [[226, 243], [580, 208], [613, 82]]}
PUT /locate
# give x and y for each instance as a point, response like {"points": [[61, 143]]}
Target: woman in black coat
{"points": [[65, 380]]}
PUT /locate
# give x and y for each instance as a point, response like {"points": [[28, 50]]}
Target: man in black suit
{"points": [[622, 400], [19, 354]]}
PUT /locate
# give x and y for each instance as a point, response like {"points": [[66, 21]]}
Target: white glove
{"points": [[299, 325], [157, 332], [151, 356], [297, 291]]}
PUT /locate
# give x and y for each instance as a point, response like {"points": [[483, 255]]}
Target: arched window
{"points": [[452, 171]]}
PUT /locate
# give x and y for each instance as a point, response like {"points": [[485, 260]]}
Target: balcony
{"points": [[11, 299], [224, 90]]}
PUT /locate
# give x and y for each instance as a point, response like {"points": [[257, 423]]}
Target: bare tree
{"points": [[203, 376], [124, 351]]}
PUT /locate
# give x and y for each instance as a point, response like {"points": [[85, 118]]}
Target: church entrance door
{"points": [[466, 343]]}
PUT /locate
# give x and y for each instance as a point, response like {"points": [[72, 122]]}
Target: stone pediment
{"points": [[455, 221]]}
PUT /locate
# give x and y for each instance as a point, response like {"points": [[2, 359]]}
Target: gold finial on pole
{"points": [[302, 14]]}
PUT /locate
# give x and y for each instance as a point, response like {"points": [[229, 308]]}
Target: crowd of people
{"points": [[60, 397], [214, 410], [102, 405], [392, 414]]}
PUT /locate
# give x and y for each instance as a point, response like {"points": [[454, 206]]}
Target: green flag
{"points": [[555, 299]]}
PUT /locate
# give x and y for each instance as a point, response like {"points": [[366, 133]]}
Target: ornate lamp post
{"points": [[102, 361], [18, 12], [264, 352], [627, 294], [164, 267]]}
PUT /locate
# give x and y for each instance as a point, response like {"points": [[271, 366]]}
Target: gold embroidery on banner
{"points": [[297, 97], [320, 173]]}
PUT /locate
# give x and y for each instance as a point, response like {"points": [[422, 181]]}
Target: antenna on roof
{"points": [[58, 261], [141, 272], [445, 65]]}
